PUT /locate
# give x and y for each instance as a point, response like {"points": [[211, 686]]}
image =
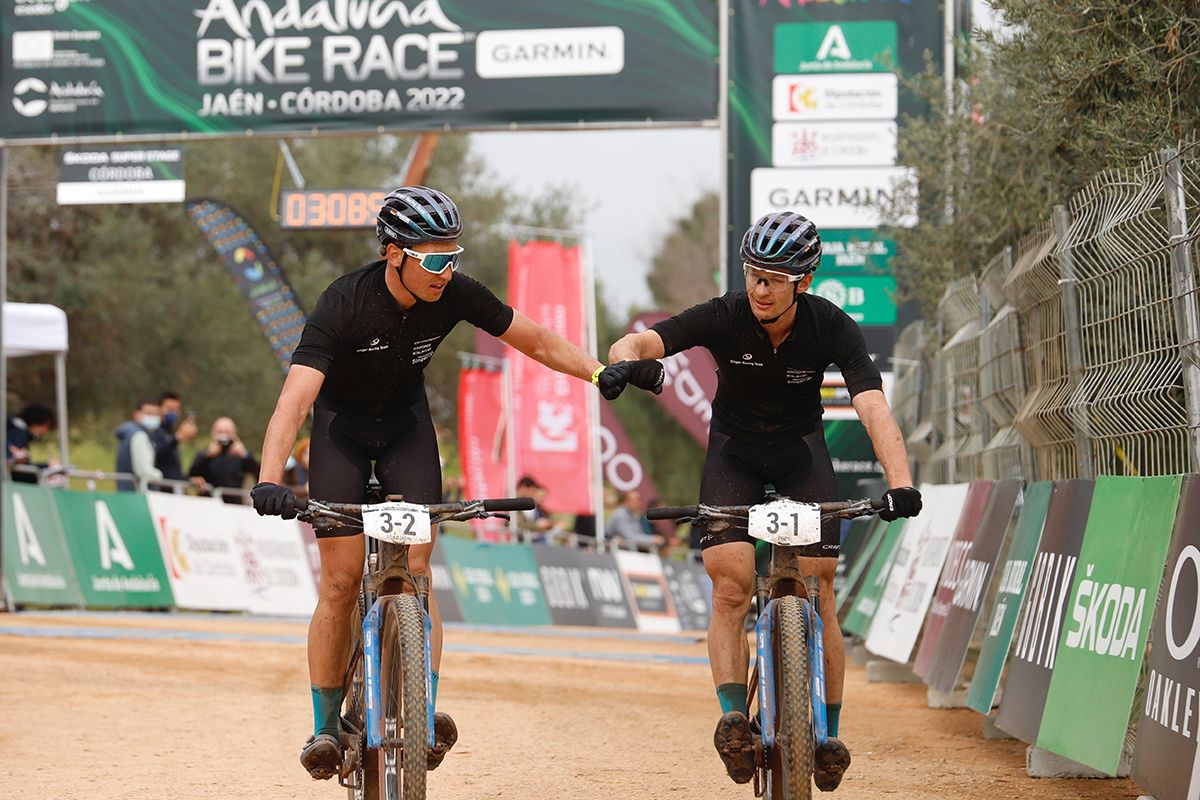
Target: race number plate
{"points": [[398, 523], [786, 523]]}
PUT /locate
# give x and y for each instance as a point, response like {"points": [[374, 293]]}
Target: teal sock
{"points": [[433, 688], [832, 712], [327, 706], [732, 697]]}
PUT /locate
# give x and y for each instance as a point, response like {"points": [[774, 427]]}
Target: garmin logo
{"points": [[550, 52]]}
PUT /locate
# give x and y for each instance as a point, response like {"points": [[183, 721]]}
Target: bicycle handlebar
{"points": [[308, 510], [849, 508]]}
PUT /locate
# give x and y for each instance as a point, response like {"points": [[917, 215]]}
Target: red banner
{"points": [[550, 410], [481, 433], [690, 385]]}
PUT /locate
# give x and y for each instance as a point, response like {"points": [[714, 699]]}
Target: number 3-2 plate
{"points": [[786, 523], [398, 523]]}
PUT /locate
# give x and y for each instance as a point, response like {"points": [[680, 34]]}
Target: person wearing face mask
{"points": [[175, 428], [32, 423], [135, 450], [225, 463]]}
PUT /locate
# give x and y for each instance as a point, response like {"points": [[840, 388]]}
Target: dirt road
{"points": [[176, 707]]}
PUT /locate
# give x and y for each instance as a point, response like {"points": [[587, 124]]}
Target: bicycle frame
{"points": [[373, 684]]}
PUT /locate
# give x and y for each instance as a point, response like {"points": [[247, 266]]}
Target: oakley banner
{"points": [[106, 67]]}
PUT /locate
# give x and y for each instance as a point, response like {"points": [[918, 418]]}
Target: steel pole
{"points": [[1187, 299], [1071, 326]]}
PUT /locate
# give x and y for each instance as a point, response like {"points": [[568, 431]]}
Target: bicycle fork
{"points": [[766, 673], [373, 691]]}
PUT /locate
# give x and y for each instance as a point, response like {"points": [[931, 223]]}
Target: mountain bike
{"points": [[387, 714], [789, 674]]}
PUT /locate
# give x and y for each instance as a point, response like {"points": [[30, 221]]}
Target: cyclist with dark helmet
{"points": [[359, 366], [772, 343]]}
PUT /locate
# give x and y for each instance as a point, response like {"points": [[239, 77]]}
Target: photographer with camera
{"points": [[225, 463]]}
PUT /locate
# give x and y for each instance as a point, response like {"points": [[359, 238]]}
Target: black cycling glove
{"points": [[647, 374], [904, 502], [271, 499], [612, 379]]}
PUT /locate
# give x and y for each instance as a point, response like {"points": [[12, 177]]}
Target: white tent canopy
{"points": [[34, 329]]}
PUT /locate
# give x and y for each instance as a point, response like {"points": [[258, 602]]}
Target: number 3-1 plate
{"points": [[786, 523], [398, 523]]}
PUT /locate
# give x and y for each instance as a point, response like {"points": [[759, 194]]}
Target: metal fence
{"points": [[1078, 352]]}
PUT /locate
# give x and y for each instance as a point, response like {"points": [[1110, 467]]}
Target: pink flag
{"points": [[481, 433], [550, 410]]}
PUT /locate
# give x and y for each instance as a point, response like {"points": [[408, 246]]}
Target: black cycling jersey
{"points": [[764, 393], [373, 352]]}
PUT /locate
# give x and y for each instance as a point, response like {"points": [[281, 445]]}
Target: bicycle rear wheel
{"points": [[402, 759], [365, 780], [792, 758]]}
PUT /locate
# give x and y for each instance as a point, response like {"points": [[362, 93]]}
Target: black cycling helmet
{"points": [[784, 241], [414, 214]]}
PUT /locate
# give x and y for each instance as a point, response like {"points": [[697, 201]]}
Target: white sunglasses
{"points": [[436, 262]]}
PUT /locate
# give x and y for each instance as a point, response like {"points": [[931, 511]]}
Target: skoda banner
{"points": [[1014, 578], [1109, 610], [130, 67], [1166, 761], [1044, 610]]}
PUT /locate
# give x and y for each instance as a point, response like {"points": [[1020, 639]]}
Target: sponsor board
{"points": [[647, 586], [442, 583], [915, 570], [1166, 761], [37, 565], [496, 584], [564, 584], [691, 588], [862, 611], [204, 564], [827, 144], [972, 587], [856, 252], [114, 548], [1013, 581], [606, 590], [835, 46], [866, 299], [120, 175], [1035, 646], [837, 197], [550, 52], [952, 568], [834, 97], [1109, 610], [275, 561]]}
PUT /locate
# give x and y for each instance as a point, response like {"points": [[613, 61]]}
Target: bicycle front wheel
{"points": [[792, 759], [363, 783], [405, 714]]}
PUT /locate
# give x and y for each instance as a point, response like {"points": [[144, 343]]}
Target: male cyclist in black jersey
{"points": [[359, 366], [772, 344]]}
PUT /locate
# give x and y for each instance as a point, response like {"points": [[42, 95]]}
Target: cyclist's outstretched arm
{"points": [[295, 399], [872, 408], [547, 347], [636, 346]]}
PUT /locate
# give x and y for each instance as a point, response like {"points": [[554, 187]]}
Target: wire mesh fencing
{"points": [[1077, 353]]}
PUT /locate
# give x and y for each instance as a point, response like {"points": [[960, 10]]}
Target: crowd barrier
{"points": [[162, 551], [1060, 602]]}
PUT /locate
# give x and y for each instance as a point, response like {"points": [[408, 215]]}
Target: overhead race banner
{"points": [[956, 558], [550, 410], [258, 276], [1014, 578], [914, 573], [1166, 761], [120, 175], [37, 565], [1111, 604], [105, 67], [972, 587], [1044, 610]]}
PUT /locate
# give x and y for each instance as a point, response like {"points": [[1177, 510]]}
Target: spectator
{"points": [[536, 523], [225, 463], [135, 450], [625, 526], [167, 436], [32, 423], [295, 470], [452, 491]]}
